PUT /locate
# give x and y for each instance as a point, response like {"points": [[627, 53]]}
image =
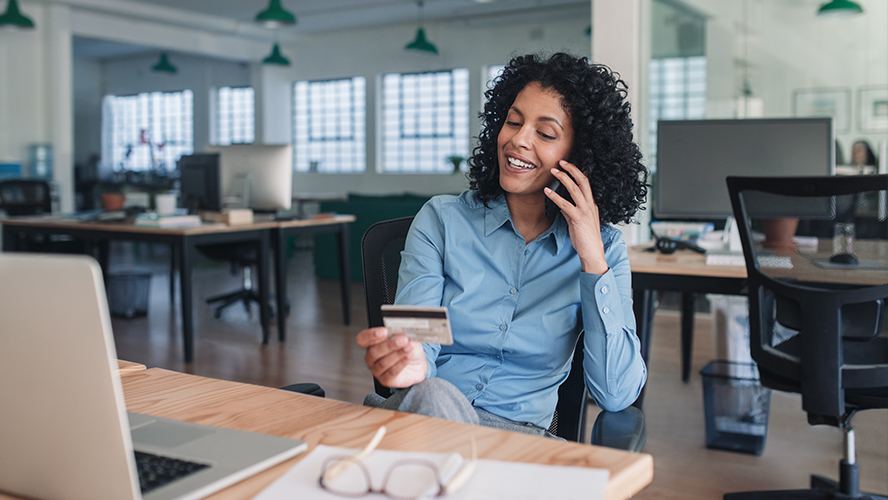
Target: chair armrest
{"points": [[624, 430], [306, 388]]}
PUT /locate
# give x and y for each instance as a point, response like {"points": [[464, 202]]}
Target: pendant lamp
{"points": [[840, 8], [275, 15], [276, 57], [13, 18], [420, 43], [163, 65]]}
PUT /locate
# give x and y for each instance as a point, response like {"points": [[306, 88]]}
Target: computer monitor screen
{"points": [[199, 182], [694, 157], [270, 170]]}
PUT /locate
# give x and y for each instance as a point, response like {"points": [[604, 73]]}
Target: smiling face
{"points": [[536, 135]]}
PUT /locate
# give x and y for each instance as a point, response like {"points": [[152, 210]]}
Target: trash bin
{"points": [[736, 407], [128, 293]]}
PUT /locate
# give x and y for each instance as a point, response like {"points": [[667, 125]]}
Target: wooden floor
{"points": [[321, 349]]}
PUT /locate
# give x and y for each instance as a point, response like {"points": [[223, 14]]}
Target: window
{"points": [[147, 131], [235, 120], [677, 91], [329, 126], [425, 119]]}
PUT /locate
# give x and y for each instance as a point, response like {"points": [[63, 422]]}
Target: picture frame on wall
{"points": [[872, 104], [835, 103]]}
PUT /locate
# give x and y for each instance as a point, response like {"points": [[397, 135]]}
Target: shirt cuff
{"points": [[602, 290]]}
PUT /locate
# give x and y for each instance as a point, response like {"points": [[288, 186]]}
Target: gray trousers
{"points": [[436, 397]]}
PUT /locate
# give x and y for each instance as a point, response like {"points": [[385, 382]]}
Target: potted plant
{"points": [[456, 160], [112, 197]]}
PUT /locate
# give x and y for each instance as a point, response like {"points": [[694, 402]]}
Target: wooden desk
{"points": [[317, 420], [183, 242], [280, 234], [127, 367], [684, 271]]}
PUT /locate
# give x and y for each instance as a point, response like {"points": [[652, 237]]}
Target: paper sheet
{"points": [[491, 480]]}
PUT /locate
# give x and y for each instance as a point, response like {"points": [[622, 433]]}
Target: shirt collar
{"points": [[499, 215]]}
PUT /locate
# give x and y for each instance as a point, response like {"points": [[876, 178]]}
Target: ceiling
{"points": [[320, 16]]}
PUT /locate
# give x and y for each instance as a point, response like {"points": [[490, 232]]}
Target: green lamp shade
{"points": [[276, 57], [421, 44], [12, 18], [275, 15], [840, 8], [163, 65]]}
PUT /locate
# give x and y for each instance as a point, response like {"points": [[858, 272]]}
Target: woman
{"points": [[518, 286], [862, 156]]}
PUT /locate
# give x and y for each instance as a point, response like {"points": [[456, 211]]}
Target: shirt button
{"points": [[479, 386], [605, 289], [605, 309], [513, 291], [503, 327], [527, 252]]}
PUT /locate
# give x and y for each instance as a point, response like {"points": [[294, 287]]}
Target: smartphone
{"points": [[552, 209]]}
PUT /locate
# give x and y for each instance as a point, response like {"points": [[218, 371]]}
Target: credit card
{"points": [[430, 325]]}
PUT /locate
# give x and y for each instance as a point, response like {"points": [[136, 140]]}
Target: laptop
{"points": [[64, 430]]}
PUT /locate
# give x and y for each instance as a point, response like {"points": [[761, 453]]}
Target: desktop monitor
{"points": [[270, 171], [694, 157], [199, 182]]}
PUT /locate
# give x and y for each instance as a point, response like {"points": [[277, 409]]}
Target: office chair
{"points": [[381, 257], [816, 321], [240, 255], [25, 197]]}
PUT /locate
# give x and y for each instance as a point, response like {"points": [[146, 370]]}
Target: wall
{"points": [[789, 49]]}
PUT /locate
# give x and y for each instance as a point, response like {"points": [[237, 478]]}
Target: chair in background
{"points": [[817, 323], [25, 197], [242, 256], [22, 197], [381, 249]]}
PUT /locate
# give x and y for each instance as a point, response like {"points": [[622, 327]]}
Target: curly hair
{"points": [[603, 149]]}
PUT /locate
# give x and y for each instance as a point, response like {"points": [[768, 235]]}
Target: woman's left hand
{"points": [[581, 216]]}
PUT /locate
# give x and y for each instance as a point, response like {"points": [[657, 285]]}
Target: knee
{"points": [[435, 387]]}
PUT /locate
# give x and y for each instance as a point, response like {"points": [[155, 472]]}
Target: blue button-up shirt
{"points": [[517, 309]]}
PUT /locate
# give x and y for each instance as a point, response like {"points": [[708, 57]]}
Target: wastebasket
{"points": [[128, 293], [736, 407]]}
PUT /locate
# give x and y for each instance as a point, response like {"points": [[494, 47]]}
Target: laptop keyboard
{"points": [[156, 471]]}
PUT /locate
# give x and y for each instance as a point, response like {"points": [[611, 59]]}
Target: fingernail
{"points": [[401, 341]]}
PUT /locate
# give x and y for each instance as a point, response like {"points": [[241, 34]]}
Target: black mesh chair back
{"points": [[25, 197], [817, 302], [381, 255]]}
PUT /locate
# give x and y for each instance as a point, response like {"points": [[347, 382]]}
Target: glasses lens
{"points": [[408, 481], [345, 477]]}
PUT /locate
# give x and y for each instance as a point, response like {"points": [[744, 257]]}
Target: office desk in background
{"points": [[323, 421], [184, 243], [302, 227], [684, 271]]}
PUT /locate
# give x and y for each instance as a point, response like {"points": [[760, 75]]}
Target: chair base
{"points": [[821, 488], [246, 296]]}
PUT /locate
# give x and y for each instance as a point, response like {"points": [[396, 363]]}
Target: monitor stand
{"points": [[732, 236]]}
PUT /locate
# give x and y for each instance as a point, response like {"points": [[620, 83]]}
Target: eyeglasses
{"points": [[404, 480]]}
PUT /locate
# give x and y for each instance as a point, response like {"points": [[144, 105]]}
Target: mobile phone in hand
{"points": [[552, 209]]}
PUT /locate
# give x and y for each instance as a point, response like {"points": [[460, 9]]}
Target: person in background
{"points": [[519, 286], [862, 156]]}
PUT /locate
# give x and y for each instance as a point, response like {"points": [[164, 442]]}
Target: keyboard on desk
{"points": [[736, 259], [156, 471]]}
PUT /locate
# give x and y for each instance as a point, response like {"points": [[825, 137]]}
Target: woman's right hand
{"points": [[396, 361]]}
